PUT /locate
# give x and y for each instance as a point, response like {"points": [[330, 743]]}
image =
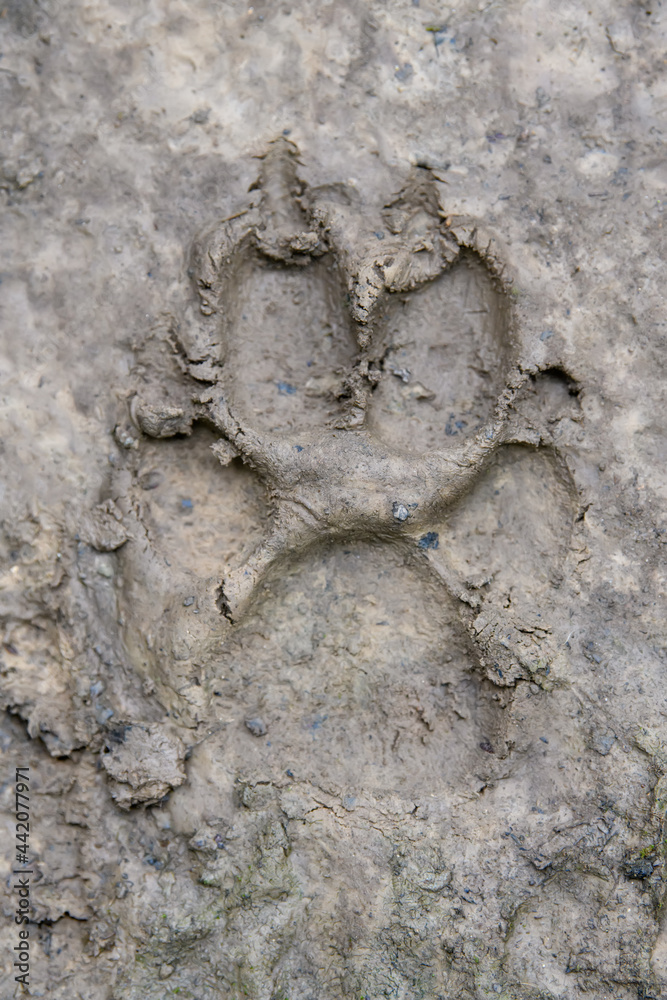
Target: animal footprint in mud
{"points": [[377, 389], [367, 386]]}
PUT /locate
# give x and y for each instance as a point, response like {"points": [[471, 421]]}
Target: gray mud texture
{"points": [[333, 498]]}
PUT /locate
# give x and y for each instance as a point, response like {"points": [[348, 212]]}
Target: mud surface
{"points": [[333, 498]]}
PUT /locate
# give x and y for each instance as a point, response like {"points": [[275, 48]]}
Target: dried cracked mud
{"points": [[333, 500]]}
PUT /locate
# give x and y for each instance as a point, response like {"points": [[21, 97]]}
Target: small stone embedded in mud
{"points": [[150, 480], [419, 391], [485, 745], [256, 726], [188, 602], [125, 438], [602, 741], [400, 511], [638, 868], [541, 97], [159, 419], [404, 72], [103, 528], [103, 568], [430, 540]]}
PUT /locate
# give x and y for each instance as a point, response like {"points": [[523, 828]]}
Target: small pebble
{"points": [[400, 511], [256, 726], [125, 439], [640, 868], [150, 480]]}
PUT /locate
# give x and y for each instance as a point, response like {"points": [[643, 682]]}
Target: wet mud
{"points": [[333, 499]]}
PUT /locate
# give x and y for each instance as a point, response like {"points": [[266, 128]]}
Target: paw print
{"points": [[368, 386], [371, 376]]}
